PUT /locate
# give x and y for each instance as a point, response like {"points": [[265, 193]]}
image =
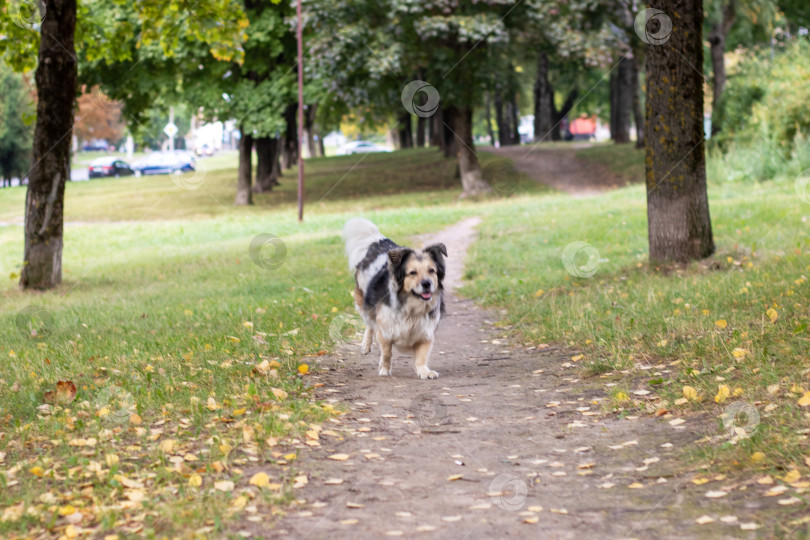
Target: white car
{"points": [[360, 147]]}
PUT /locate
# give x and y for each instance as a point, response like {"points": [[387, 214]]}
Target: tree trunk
{"points": [[678, 218], [289, 152], [321, 148], [638, 115], [449, 129], [309, 128], [621, 101], [405, 131], [543, 101], [244, 196], [266, 157], [437, 129], [472, 179], [717, 42], [489, 120], [558, 116], [500, 119], [420, 132], [514, 119], [45, 197]]}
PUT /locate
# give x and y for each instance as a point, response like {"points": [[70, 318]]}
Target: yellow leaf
{"points": [[737, 392], [167, 446], [135, 419], [303, 369], [239, 412], [721, 323], [539, 293], [622, 396], [576, 358], [722, 393], [804, 401], [290, 457], [211, 403], [239, 502], [195, 480], [757, 457], [739, 353], [225, 448], [39, 472], [699, 481], [111, 460], [71, 531], [772, 314], [260, 479], [792, 476], [690, 393], [454, 477], [67, 510], [224, 485], [279, 393], [339, 457]]}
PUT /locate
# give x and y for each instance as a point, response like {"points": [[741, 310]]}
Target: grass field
{"points": [[190, 349]]}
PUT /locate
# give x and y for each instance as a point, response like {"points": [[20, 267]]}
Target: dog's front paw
{"points": [[385, 372], [425, 373], [365, 348], [368, 338]]}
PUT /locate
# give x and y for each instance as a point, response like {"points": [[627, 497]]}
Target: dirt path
{"points": [[560, 168], [510, 442]]}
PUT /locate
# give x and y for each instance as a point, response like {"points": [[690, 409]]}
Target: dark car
{"points": [[165, 163], [96, 146], [109, 166]]}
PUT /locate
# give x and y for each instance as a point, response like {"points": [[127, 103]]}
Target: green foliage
{"points": [[16, 127]]}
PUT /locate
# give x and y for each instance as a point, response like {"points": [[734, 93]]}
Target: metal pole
{"points": [[300, 118]]}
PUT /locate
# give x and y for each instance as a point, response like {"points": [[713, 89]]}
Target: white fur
{"points": [[359, 233]]}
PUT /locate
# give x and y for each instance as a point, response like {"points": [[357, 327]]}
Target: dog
{"points": [[398, 292]]}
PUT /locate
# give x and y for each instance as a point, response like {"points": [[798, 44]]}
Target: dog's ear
{"points": [[398, 258], [437, 252]]}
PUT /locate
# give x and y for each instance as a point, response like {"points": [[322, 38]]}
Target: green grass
{"points": [[624, 160], [163, 306]]}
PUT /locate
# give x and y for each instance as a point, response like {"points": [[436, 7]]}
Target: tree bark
{"points": [[244, 195], [289, 152], [543, 101], [489, 119], [514, 118], [638, 115], [405, 131], [558, 116], [45, 196], [421, 124], [500, 119], [449, 129], [472, 179], [266, 156], [621, 101], [717, 42], [437, 129], [679, 224]]}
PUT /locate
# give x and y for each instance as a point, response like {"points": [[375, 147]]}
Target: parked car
{"points": [[109, 166], [165, 163], [205, 150], [96, 146], [360, 147]]}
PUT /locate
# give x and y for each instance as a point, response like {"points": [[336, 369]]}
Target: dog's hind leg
{"points": [[385, 355], [368, 339], [421, 352]]}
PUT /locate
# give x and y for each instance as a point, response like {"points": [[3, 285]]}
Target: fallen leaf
{"points": [[39, 472], [792, 476], [280, 394], [350, 504], [195, 480], [333, 481], [703, 520], [772, 314], [715, 494], [303, 369], [167, 446], [454, 477], [65, 393], [721, 323], [339, 457], [260, 479], [689, 393], [224, 485], [531, 520], [804, 401], [722, 393]]}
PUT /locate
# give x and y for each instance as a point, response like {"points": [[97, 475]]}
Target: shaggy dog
{"points": [[398, 292]]}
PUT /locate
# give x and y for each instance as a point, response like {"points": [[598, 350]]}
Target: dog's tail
{"points": [[359, 234]]}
